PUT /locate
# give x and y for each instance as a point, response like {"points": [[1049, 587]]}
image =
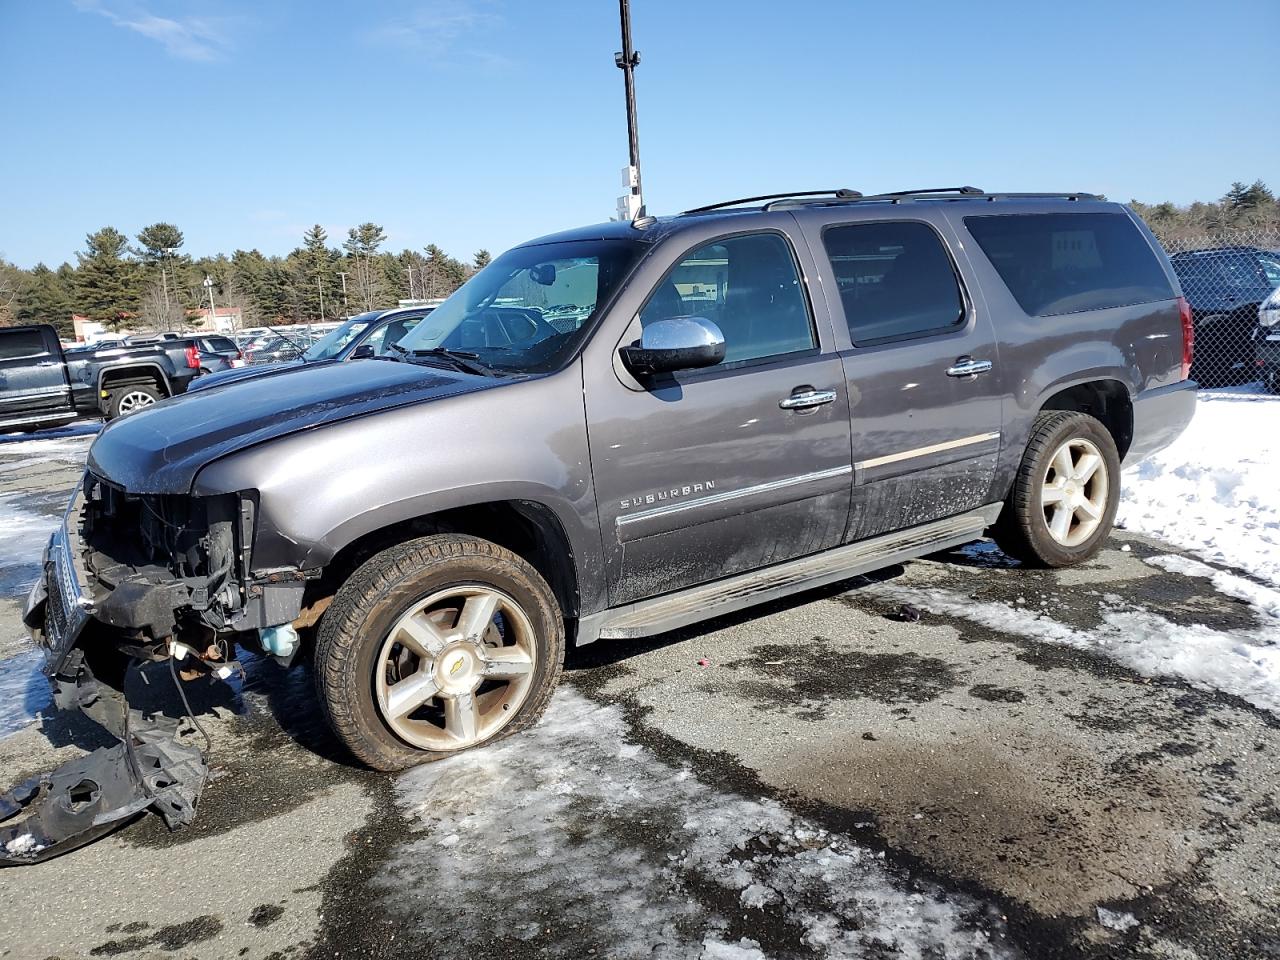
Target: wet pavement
{"points": [[1014, 773]]}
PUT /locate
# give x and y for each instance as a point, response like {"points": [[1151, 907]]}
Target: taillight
{"points": [[193, 357], [1188, 336]]}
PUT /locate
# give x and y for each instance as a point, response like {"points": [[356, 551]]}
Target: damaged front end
{"points": [[128, 580]]}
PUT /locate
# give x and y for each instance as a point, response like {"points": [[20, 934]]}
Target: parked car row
{"points": [[1226, 287], [43, 384]]}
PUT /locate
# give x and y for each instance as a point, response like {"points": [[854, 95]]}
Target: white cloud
{"points": [[186, 38], [440, 29]]}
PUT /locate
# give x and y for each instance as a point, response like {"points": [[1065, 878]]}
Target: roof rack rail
{"points": [[976, 193], [842, 193]]}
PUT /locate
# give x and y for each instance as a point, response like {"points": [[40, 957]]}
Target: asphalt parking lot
{"points": [[961, 758]]}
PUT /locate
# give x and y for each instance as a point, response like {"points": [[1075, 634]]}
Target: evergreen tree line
{"points": [[152, 285], [1247, 213]]}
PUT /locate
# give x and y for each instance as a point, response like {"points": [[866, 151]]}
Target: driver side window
{"points": [[749, 287]]}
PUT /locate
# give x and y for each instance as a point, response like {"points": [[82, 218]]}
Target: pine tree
{"points": [[481, 259], [108, 284], [46, 298], [315, 290]]}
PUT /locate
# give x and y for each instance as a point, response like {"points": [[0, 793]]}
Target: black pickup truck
{"points": [[41, 386]]}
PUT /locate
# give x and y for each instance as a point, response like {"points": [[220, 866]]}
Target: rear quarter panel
{"points": [[1138, 346]]}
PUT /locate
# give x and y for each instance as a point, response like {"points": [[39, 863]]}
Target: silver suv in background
{"points": [[622, 429]]}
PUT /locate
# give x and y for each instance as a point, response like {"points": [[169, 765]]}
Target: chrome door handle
{"points": [[968, 367], [807, 399]]}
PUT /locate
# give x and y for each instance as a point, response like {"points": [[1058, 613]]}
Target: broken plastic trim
{"points": [[87, 798]]}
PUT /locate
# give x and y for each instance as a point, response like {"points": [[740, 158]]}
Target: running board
{"points": [[670, 611]]}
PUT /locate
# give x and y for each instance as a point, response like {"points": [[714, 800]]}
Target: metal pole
{"points": [[213, 311], [345, 305], [164, 280], [627, 60], [320, 286], [410, 281]]}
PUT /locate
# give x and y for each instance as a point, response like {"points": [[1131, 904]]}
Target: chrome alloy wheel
{"points": [[135, 400], [1074, 492], [455, 668]]}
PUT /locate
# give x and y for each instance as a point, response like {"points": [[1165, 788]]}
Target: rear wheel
{"points": [[435, 646], [130, 399], [1065, 493]]}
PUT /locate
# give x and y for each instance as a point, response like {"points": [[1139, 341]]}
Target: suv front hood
{"points": [[160, 449]]}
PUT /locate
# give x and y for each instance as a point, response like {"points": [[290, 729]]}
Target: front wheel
{"points": [[1064, 497], [435, 646]]}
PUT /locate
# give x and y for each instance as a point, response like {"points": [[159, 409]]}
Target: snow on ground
{"points": [[572, 826], [1243, 663], [26, 442], [1216, 490], [23, 532], [24, 691], [1233, 585]]}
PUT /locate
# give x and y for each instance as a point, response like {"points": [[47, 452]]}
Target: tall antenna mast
{"points": [[631, 204]]}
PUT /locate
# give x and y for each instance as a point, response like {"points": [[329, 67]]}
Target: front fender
{"points": [[319, 490]]}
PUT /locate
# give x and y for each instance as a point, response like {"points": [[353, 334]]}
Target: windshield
{"points": [[528, 310], [332, 343]]}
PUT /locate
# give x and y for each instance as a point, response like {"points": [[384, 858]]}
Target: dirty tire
{"points": [[352, 632], [125, 400], [1022, 530]]}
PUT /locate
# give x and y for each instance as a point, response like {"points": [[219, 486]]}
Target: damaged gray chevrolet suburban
{"points": [[623, 429]]}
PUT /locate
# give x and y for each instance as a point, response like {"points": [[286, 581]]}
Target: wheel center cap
{"points": [[458, 668]]}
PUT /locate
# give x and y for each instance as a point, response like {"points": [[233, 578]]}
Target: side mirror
{"points": [[677, 343], [363, 352]]}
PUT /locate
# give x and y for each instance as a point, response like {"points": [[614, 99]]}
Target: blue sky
{"points": [[481, 123]]}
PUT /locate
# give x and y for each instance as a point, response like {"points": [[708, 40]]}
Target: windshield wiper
{"points": [[462, 360]]}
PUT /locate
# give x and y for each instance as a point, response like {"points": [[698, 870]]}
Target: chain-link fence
{"points": [[1225, 277]]}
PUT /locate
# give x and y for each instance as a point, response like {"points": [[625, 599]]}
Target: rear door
{"points": [[925, 405], [33, 377]]}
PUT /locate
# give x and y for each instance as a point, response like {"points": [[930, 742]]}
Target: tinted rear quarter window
{"points": [[220, 344], [1056, 263], [17, 344]]}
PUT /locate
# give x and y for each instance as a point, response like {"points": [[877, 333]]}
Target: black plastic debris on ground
{"points": [[87, 798]]}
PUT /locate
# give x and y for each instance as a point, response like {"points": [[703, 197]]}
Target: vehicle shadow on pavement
{"points": [[610, 652]]}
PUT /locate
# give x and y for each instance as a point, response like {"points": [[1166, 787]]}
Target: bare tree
{"points": [[362, 245], [10, 281], [160, 312]]}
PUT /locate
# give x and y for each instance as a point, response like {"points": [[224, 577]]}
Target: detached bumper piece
{"points": [[87, 798], [93, 795]]}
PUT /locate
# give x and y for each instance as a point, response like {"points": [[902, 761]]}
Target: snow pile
{"points": [[569, 826], [1216, 490], [1245, 664]]}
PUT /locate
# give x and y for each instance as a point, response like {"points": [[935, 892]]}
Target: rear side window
{"points": [[18, 344], [1056, 263], [221, 344], [896, 281]]}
